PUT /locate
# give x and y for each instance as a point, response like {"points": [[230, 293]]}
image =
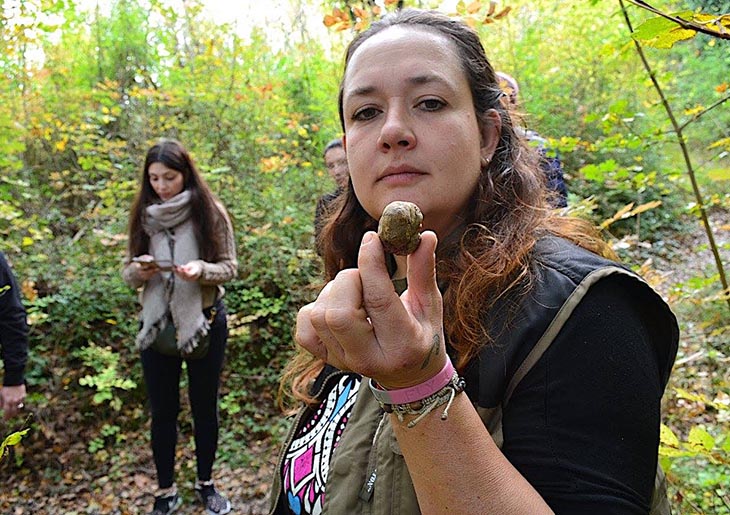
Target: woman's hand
{"points": [[190, 271], [359, 322], [145, 271]]}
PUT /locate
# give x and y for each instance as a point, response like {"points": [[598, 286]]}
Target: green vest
{"points": [[368, 474]]}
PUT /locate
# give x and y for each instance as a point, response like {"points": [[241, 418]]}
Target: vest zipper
{"points": [[366, 492]]}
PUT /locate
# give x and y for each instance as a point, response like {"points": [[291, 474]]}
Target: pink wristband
{"points": [[417, 392]]}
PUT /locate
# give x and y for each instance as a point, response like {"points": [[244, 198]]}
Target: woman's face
{"points": [[410, 126], [165, 181]]}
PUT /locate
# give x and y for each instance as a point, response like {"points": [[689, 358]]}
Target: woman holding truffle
{"points": [[507, 365]]}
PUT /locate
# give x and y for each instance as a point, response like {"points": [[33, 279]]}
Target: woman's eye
{"points": [[365, 114], [432, 104]]}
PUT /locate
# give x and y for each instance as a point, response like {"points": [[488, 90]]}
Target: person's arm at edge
{"points": [[13, 342]]}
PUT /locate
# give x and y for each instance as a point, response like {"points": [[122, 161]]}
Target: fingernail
{"points": [[367, 238]]}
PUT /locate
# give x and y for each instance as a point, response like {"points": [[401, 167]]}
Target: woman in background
{"points": [[182, 240]]}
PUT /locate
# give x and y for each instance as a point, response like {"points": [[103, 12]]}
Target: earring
{"points": [[484, 161]]}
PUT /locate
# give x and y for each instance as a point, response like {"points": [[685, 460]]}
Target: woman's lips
{"points": [[401, 175]]}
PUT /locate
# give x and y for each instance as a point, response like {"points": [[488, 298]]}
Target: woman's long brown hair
{"points": [[206, 207]]}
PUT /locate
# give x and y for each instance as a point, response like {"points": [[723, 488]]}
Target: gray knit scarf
{"points": [[165, 295]]}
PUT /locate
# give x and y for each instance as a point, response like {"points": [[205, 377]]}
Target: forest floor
{"points": [[71, 481]]}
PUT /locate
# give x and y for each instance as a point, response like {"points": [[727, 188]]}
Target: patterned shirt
{"points": [[307, 460]]}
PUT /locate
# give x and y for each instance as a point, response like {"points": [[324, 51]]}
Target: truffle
{"points": [[399, 227]]}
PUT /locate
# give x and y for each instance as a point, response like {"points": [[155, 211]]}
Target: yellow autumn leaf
{"points": [[719, 174], [501, 14], [29, 291], [27, 242], [724, 142], [694, 110], [667, 436], [698, 436], [646, 207], [624, 212], [473, 7], [61, 145]]}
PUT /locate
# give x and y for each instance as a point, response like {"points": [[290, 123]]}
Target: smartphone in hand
{"points": [[150, 262]]}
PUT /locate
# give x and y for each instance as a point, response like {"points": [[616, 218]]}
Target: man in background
{"points": [[13, 342], [549, 159], [335, 160]]}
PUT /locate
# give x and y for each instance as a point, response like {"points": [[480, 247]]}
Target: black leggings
{"points": [[162, 377]]}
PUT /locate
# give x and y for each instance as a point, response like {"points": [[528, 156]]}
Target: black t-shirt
{"points": [[583, 425]]}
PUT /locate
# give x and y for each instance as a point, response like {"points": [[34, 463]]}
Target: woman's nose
{"points": [[396, 132]]}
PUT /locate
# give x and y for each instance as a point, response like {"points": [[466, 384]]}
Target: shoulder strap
{"points": [[555, 326]]}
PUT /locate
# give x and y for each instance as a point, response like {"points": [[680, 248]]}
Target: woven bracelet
{"points": [[425, 406]]}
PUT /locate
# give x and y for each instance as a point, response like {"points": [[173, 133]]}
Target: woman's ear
{"points": [[491, 127]]}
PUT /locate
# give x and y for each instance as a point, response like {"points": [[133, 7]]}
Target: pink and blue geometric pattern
{"points": [[307, 460]]}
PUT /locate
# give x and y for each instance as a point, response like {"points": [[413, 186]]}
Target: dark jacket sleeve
{"points": [[13, 327]]}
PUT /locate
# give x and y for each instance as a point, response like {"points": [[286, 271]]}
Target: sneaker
{"points": [[166, 504], [215, 503]]}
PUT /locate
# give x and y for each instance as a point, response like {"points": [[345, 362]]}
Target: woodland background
{"points": [[642, 124]]}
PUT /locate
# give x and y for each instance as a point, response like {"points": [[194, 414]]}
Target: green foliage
{"points": [[660, 32], [106, 378], [108, 432], [700, 461]]}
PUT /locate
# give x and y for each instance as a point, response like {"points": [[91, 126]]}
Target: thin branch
{"points": [[704, 111], [683, 147], [685, 24]]}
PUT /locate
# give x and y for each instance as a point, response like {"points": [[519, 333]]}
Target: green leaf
{"points": [[700, 437], [659, 32], [12, 439], [597, 173]]}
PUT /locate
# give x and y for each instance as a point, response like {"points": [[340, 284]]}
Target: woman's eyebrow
{"points": [[416, 80]]}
